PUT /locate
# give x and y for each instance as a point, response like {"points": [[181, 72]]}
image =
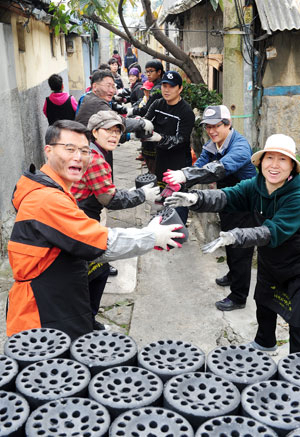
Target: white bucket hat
{"points": [[278, 143]]}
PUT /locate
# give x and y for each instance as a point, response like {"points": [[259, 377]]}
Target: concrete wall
{"points": [[279, 112], [24, 75], [76, 68], [104, 38], [285, 68], [199, 18], [37, 62], [12, 153]]}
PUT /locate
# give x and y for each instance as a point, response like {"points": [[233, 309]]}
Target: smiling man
{"points": [[173, 120], [52, 237], [225, 159]]}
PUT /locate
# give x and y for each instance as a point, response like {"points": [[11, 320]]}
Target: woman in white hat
{"points": [[273, 196]]}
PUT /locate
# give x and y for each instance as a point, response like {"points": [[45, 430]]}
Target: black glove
{"points": [[169, 142], [118, 108], [210, 172]]}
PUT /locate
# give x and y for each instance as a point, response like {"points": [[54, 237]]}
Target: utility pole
{"points": [[237, 77]]}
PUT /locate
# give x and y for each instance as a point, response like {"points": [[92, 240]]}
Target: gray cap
{"points": [[105, 120], [215, 114]]}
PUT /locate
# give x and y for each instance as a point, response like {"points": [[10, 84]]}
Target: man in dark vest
{"points": [[59, 105]]}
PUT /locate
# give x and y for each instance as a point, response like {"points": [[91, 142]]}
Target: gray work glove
{"points": [[155, 137], [225, 239], [151, 192], [164, 234], [181, 199], [174, 177]]}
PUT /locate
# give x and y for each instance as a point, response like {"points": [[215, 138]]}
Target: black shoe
{"points": [[97, 326], [227, 305], [112, 271], [224, 281]]}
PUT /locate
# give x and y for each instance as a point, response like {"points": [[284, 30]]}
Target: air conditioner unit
{"points": [[70, 46]]}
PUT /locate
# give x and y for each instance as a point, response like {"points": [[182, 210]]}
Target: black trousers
{"points": [[239, 260], [266, 332], [96, 288]]}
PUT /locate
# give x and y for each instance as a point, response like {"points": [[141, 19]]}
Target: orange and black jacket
{"points": [[50, 241]]}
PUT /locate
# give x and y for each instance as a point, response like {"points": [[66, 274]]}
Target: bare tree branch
{"points": [[134, 41], [179, 58]]}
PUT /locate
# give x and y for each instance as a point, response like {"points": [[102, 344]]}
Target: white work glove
{"points": [[181, 199], [119, 99], [165, 233], [148, 127], [155, 137], [174, 177], [133, 137], [225, 239], [129, 112], [151, 192]]}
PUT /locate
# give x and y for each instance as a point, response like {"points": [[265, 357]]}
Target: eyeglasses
{"points": [[150, 71], [213, 126], [112, 131], [108, 86], [72, 149]]}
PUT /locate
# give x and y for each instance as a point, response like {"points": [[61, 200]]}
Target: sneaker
{"points": [[270, 350], [227, 305], [97, 326]]}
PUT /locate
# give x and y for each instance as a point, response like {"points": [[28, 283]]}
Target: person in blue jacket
{"points": [[273, 198], [226, 160]]}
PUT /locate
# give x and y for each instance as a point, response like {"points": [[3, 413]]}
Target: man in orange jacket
{"points": [[52, 238]]}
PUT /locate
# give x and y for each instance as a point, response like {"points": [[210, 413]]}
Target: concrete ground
{"points": [[165, 295], [172, 295]]}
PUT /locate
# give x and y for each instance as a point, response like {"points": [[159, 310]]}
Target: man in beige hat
{"points": [[273, 197]]}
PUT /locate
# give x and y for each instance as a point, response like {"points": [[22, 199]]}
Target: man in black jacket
{"points": [[173, 121]]}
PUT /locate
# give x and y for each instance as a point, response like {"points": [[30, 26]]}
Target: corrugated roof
{"points": [[171, 8], [279, 14]]}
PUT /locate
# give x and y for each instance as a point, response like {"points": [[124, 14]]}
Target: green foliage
{"points": [[60, 18], [216, 3], [199, 97], [106, 10], [62, 15]]}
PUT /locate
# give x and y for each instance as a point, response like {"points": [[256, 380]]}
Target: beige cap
{"points": [[105, 120]]}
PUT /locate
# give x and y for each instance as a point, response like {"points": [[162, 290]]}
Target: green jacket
{"points": [[280, 210]]}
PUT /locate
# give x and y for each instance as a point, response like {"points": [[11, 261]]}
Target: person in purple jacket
{"points": [[59, 105]]}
